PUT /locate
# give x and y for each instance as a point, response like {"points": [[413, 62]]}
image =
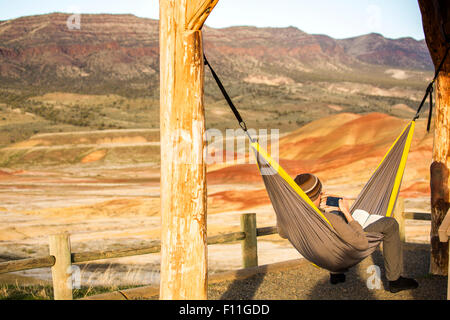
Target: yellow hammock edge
{"points": [[401, 170], [287, 178], [413, 123], [303, 195]]}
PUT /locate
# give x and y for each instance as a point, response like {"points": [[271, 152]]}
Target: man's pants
{"points": [[392, 246]]}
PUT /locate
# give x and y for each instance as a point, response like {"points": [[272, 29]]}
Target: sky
{"points": [[338, 19]]}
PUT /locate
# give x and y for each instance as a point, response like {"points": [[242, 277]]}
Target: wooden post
{"points": [[183, 170], [400, 217], [59, 247], [435, 29], [249, 245]]}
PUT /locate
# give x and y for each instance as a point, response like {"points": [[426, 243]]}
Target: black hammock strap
{"points": [[430, 112], [236, 113], [429, 92], [227, 97]]}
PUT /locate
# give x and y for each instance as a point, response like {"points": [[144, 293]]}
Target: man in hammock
{"points": [[353, 233]]}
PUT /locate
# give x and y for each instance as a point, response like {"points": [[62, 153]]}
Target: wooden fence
{"points": [[61, 258]]}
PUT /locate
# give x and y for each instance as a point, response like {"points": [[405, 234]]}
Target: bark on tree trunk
{"points": [[433, 13], [439, 176], [183, 170]]}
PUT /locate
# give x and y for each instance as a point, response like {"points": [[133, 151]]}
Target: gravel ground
{"points": [[307, 282], [310, 283]]}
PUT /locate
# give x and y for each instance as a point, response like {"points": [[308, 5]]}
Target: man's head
{"points": [[311, 185]]}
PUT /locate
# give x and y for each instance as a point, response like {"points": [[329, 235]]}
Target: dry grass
{"points": [[19, 292], [108, 279], [39, 292]]}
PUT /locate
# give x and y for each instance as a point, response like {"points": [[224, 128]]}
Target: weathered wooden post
{"points": [[183, 170], [249, 245], [400, 217], [59, 247], [437, 29]]}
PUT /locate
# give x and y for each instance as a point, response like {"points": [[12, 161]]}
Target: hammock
{"points": [[305, 226]]}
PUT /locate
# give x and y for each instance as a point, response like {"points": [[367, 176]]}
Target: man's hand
{"points": [[323, 203], [344, 207]]}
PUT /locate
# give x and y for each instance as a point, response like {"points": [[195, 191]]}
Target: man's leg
{"points": [[392, 253], [392, 246]]}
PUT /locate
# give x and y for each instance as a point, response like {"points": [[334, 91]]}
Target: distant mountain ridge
{"points": [[375, 49], [106, 75], [42, 50]]}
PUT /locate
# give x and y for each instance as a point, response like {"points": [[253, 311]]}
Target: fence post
{"points": [[399, 215], [59, 247], [249, 244]]}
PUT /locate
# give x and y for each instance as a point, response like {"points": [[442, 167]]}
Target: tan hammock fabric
{"points": [[305, 225]]}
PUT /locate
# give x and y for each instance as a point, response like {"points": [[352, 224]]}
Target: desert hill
{"points": [[102, 147], [343, 150], [106, 75], [108, 195], [375, 49], [125, 47], [79, 138]]}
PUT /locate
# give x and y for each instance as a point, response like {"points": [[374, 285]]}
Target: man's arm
{"points": [[352, 233], [344, 207]]}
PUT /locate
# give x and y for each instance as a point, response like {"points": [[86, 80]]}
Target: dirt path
{"points": [[299, 280], [308, 282]]}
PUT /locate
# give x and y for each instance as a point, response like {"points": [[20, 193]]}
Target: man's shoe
{"points": [[402, 284], [336, 278]]}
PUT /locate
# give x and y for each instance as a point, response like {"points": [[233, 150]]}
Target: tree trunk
{"points": [[435, 29], [439, 175], [183, 171]]}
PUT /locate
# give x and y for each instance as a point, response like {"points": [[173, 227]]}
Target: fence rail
{"points": [[79, 257], [248, 234], [417, 216], [27, 264]]}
